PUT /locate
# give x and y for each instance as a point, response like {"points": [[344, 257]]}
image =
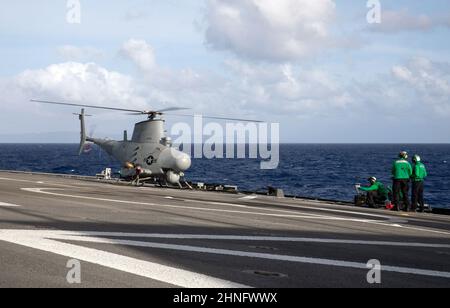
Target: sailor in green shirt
{"points": [[401, 172], [418, 177], [377, 193]]}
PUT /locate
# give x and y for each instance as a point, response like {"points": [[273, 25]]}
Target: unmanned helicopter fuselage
{"points": [[149, 148], [149, 154]]}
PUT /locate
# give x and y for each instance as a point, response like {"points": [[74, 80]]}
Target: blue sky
{"points": [[316, 67]]}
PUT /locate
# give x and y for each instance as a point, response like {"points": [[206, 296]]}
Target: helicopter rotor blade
{"points": [[162, 111], [172, 109], [140, 112], [87, 106], [216, 118], [133, 111]]}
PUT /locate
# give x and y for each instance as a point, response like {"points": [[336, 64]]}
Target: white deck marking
{"points": [[421, 230], [304, 216], [155, 271], [417, 229], [230, 204], [336, 211], [236, 205], [249, 198], [46, 240], [16, 180], [249, 207], [47, 183], [251, 238], [2, 204], [292, 206]]}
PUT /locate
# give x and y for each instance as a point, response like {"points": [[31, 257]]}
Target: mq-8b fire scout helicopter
{"points": [[149, 154]]}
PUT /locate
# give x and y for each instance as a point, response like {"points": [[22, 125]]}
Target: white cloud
{"points": [[261, 91], [282, 30], [428, 81], [274, 89], [79, 83], [402, 73], [244, 88], [140, 52], [418, 87]]}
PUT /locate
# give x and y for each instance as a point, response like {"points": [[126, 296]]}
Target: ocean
{"points": [[327, 171]]}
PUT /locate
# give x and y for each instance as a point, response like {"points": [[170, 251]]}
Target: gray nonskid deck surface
{"points": [[148, 237]]}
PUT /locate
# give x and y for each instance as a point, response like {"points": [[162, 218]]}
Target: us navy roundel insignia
{"points": [[150, 160]]}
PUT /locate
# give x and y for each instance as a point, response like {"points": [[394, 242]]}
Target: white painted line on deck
{"points": [[16, 180], [421, 230], [34, 182], [249, 198], [252, 208], [317, 261], [418, 229], [307, 260], [46, 240], [298, 207], [230, 204], [337, 211], [304, 216], [3, 204], [253, 238], [388, 223], [151, 270], [237, 205]]}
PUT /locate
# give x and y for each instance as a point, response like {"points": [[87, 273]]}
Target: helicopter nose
{"points": [[175, 160], [183, 162]]}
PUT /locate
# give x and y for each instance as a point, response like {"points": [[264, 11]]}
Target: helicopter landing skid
{"points": [[187, 184], [139, 182]]}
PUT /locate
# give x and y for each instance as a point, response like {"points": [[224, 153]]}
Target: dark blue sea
{"points": [[307, 170]]}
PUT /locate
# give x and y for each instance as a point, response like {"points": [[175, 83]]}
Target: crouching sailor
{"points": [[377, 193]]}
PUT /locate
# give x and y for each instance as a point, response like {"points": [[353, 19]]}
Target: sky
{"points": [[321, 68]]}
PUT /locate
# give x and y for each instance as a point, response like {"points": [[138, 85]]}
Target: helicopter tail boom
{"points": [[83, 136]]}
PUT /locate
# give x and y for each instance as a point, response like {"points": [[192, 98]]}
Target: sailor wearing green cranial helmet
{"points": [[401, 172], [377, 193], [418, 178]]}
